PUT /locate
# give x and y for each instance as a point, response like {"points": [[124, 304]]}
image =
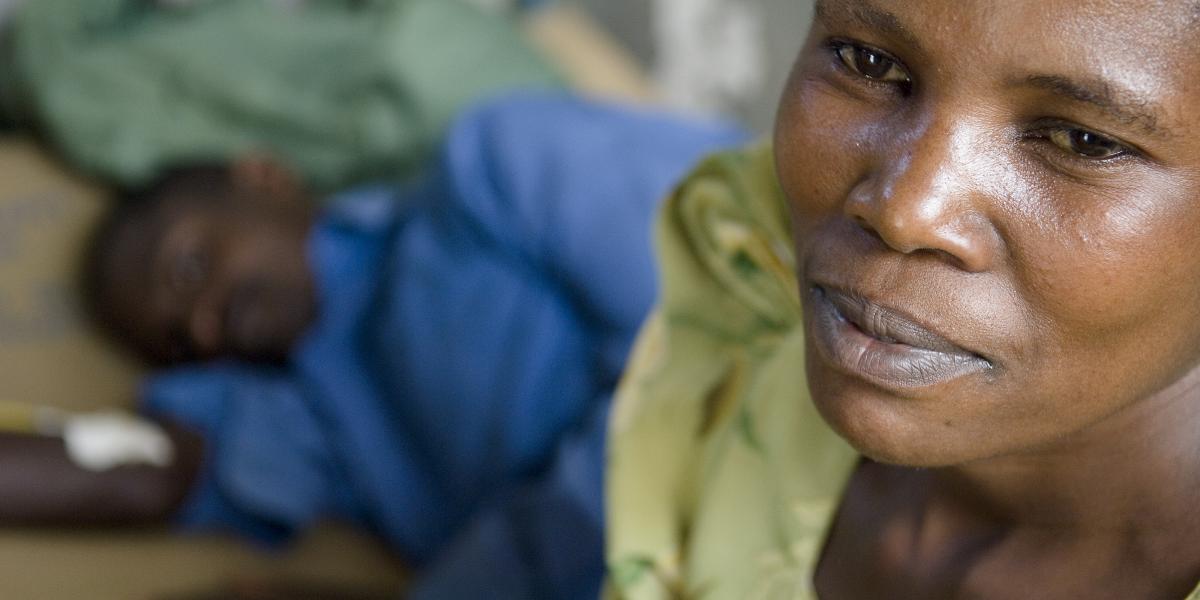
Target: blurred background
{"points": [[74, 133], [727, 57]]}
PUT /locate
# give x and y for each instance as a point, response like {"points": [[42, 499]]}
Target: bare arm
{"points": [[40, 485]]}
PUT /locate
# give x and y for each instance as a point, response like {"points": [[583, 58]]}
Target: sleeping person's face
{"points": [[198, 279], [997, 217]]}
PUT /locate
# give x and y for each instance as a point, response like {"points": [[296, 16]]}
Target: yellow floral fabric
{"points": [[723, 479]]}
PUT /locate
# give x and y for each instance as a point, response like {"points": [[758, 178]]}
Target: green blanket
{"points": [[342, 89]]}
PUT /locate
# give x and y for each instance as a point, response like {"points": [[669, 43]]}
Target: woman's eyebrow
{"points": [[1126, 106], [866, 14]]}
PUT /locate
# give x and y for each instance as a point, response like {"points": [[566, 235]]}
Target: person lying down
{"points": [[433, 363]]}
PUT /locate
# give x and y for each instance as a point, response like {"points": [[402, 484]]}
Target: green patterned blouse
{"points": [[723, 479]]}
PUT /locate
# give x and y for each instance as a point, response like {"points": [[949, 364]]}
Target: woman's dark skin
{"points": [[1021, 178]]}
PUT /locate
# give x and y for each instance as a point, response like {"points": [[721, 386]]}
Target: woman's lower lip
{"points": [[888, 365]]}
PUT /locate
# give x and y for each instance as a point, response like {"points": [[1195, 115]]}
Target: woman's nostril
{"points": [[865, 224]]}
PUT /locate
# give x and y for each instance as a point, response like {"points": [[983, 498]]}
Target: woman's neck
{"points": [[1110, 512], [1136, 470]]}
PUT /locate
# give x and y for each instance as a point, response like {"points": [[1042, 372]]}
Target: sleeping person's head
{"points": [[996, 208], [208, 261]]}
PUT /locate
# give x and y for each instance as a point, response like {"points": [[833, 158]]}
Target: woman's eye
{"points": [[1086, 143], [872, 64]]}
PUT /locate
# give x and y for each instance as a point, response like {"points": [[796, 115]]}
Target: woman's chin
{"points": [[889, 432]]}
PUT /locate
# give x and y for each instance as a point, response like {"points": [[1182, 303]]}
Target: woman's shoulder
{"points": [[728, 291], [714, 446], [725, 249]]}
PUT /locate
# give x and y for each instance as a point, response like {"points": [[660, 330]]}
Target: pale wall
{"points": [[724, 56]]}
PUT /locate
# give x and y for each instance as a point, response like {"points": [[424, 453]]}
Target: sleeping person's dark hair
{"points": [[201, 263]]}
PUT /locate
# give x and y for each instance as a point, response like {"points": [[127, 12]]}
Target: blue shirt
{"points": [[453, 394]]}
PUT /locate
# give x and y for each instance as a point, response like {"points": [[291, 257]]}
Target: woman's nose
{"points": [[924, 194]]}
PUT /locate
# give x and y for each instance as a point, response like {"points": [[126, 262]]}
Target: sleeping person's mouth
{"points": [[883, 346]]}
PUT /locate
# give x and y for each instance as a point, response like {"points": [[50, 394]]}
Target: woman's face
{"points": [[997, 217]]}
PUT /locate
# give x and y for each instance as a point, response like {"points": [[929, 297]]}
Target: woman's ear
{"points": [[266, 177]]}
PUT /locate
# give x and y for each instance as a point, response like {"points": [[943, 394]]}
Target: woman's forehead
{"points": [[1072, 28], [1165, 15], [1137, 59]]}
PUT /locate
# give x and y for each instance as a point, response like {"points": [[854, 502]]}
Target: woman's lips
{"points": [[883, 347]]}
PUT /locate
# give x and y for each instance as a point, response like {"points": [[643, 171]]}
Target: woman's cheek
{"points": [[1106, 261], [824, 146]]}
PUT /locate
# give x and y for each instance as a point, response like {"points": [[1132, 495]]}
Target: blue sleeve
{"points": [[488, 363], [571, 186], [520, 278], [539, 539], [267, 470]]}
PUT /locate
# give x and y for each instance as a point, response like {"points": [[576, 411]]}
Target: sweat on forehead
{"points": [[1162, 17], [1129, 65]]}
